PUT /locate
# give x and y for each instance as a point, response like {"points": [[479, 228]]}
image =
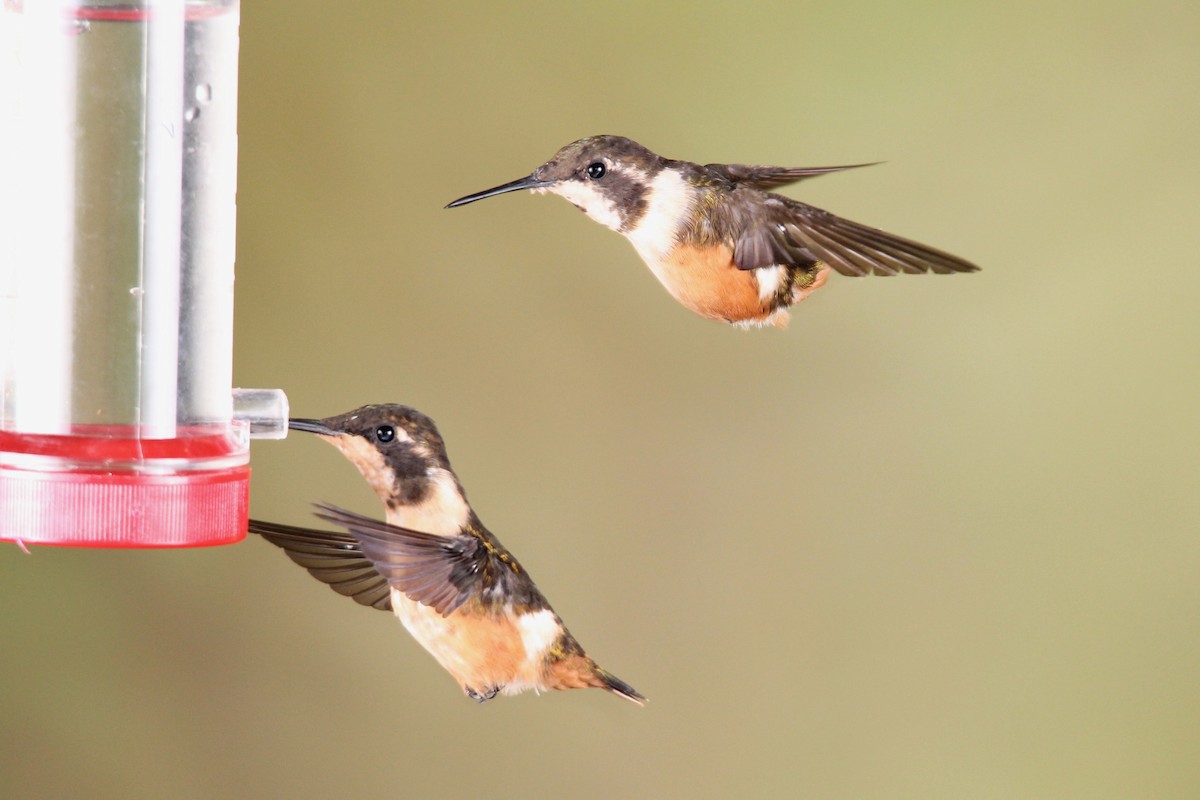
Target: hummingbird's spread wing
{"points": [[442, 572], [766, 177], [789, 232], [330, 557]]}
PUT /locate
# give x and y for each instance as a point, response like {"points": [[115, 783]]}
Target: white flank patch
{"points": [[669, 202], [585, 196], [769, 279], [539, 632]]}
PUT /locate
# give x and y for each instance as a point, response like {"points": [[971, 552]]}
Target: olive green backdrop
{"points": [[939, 539]]}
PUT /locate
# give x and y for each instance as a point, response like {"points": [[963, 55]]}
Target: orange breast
{"points": [[705, 280], [479, 649]]}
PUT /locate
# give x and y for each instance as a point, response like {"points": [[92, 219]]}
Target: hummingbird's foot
{"points": [[483, 697]]}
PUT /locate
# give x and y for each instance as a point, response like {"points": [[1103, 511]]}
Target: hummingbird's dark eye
{"points": [[595, 171], [385, 433]]}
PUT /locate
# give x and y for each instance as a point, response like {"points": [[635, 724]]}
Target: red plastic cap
{"points": [[106, 490]]}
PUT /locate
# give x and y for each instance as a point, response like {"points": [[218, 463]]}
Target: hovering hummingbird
{"points": [[714, 236], [456, 589]]}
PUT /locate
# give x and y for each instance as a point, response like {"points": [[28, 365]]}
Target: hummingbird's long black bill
{"points": [[311, 426], [515, 186]]}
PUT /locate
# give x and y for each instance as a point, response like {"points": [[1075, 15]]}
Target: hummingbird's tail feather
{"points": [[580, 672], [619, 687]]}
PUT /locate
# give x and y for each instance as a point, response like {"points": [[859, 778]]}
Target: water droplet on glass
{"points": [[137, 291], [203, 93], [191, 113]]}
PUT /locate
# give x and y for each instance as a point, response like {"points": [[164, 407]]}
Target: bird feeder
{"points": [[119, 426]]}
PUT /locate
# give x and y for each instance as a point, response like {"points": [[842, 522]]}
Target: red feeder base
{"points": [[112, 491]]}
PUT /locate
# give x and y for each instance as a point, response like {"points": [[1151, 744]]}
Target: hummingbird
{"points": [[715, 236], [463, 596]]}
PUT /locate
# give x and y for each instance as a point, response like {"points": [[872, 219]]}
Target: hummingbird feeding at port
{"points": [[722, 243], [433, 564]]}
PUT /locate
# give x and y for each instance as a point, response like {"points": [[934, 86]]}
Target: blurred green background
{"points": [[937, 540]]}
